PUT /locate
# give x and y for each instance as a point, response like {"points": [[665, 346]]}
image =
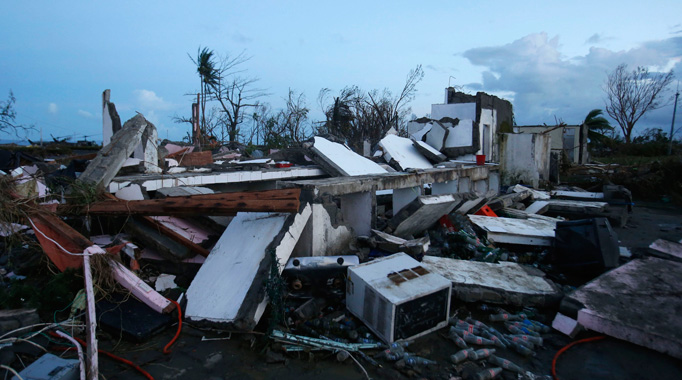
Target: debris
{"points": [[110, 158], [318, 276], [401, 151], [194, 158], [667, 249], [516, 231], [228, 287], [343, 161], [421, 214], [419, 305], [587, 246], [130, 318], [164, 282], [416, 248], [13, 319], [538, 207], [566, 325], [504, 283], [637, 302], [50, 367], [576, 206], [537, 194], [429, 152]]}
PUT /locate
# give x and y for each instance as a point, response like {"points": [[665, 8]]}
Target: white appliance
{"points": [[397, 297]]}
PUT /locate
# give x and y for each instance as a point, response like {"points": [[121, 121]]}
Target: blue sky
{"points": [[550, 58]]}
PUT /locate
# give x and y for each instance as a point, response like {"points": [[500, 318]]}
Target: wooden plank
{"points": [[140, 289], [196, 159], [520, 214], [110, 158], [246, 195], [516, 231], [194, 247], [91, 320], [576, 206], [178, 206]]}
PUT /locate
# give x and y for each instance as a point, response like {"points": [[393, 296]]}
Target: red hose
{"points": [[566, 347], [117, 358], [166, 350]]}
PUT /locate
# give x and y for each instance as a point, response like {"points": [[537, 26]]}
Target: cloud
{"points": [[594, 39], [52, 108], [86, 114], [148, 100], [544, 83]]}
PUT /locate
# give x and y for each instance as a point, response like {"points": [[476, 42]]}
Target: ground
{"points": [[210, 354]]}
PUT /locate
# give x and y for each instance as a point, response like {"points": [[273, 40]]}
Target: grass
{"points": [[634, 160]]}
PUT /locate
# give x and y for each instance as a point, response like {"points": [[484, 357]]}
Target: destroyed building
{"points": [[419, 261]]}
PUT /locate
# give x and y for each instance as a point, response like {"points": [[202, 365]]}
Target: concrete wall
{"points": [[460, 111], [524, 158], [563, 139]]}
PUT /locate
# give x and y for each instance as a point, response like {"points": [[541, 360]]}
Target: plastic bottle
{"points": [[504, 363], [484, 353], [530, 339], [462, 355], [488, 374], [504, 317], [394, 352], [497, 341], [457, 339], [477, 323], [520, 330], [499, 335], [521, 349], [413, 361], [521, 341], [474, 339]]}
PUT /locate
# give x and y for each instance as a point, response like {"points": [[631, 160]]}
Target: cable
{"points": [[110, 355], [566, 347], [12, 370], [81, 358], [166, 350]]}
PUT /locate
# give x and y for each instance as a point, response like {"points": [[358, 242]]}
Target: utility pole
{"points": [[672, 125]]}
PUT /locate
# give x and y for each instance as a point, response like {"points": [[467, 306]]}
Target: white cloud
{"points": [[545, 83], [52, 108], [148, 100], [86, 114]]}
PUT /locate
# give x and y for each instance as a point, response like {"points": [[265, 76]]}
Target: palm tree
{"points": [[208, 75], [597, 125]]}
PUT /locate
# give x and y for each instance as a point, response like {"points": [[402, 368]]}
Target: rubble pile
{"points": [[404, 265]]}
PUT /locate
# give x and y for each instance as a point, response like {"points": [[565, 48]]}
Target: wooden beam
{"points": [[194, 247], [181, 206]]}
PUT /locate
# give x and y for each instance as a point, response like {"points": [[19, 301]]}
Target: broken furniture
{"points": [[588, 246], [397, 297]]}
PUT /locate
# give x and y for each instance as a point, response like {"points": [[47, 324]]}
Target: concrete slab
{"points": [[638, 302], [429, 152], [342, 160], [403, 152], [436, 136], [559, 205], [667, 248], [537, 194], [516, 231], [537, 207], [504, 283], [228, 289], [421, 214]]}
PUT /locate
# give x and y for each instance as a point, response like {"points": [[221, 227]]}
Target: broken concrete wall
{"points": [[326, 233], [111, 122], [524, 158]]}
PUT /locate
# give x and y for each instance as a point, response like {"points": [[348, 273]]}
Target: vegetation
{"points": [[631, 94], [8, 117]]}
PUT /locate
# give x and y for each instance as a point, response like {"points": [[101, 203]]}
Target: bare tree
{"points": [[235, 93], [8, 117], [357, 116], [293, 119], [631, 94]]}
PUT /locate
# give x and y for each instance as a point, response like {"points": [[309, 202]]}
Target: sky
{"points": [[549, 58]]}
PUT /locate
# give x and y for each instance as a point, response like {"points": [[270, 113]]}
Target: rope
{"points": [[566, 347]]}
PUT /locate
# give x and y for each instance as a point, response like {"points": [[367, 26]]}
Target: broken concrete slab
{"points": [[638, 302], [507, 200], [421, 213], [667, 249], [436, 135], [537, 207], [390, 243], [110, 158], [577, 195], [521, 214], [429, 152], [403, 153], [537, 194], [516, 231], [566, 325], [343, 161], [505, 283], [229, 287]]}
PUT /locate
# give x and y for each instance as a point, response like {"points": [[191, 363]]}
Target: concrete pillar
{"points": [[494, 181], [358, 211], [447, 187], [464, 185], [401, 197]]}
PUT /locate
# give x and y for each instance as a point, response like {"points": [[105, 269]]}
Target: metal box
{"points": [[397, 298]]}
